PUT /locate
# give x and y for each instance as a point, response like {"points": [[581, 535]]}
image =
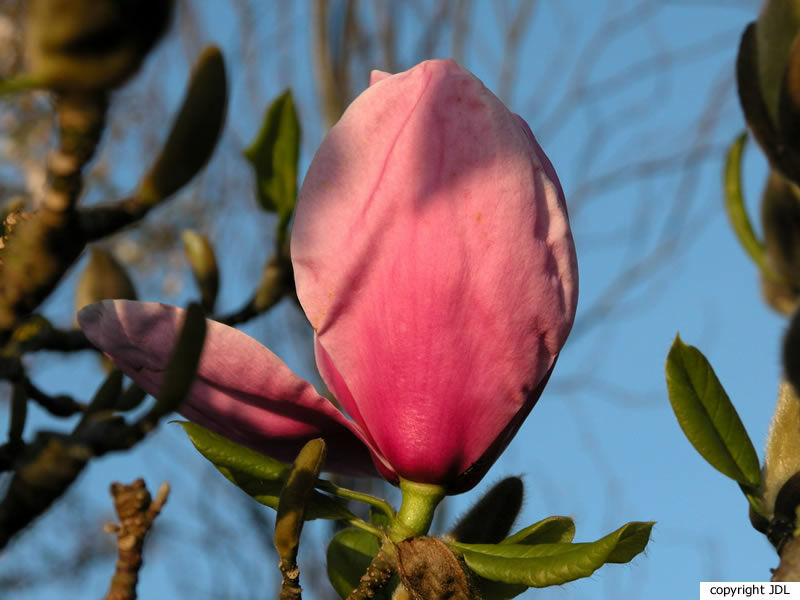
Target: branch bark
{"points": [[136, 511]]}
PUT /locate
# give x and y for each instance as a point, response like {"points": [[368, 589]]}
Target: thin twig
{"points": [[136, 511], [58, 406]]}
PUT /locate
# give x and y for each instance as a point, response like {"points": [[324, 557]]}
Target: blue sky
{"points": [[640, 159]]}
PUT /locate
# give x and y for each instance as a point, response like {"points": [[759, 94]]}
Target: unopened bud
{"points": [[782, 459], [104, 278], [203, 262], [776, 29], [294, 497], [273, 285], [428, 569], [490, 520], [91, 45], [194, 132], [780, 215]]}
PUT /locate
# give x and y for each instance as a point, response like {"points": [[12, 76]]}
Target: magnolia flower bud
{"points": [[200, 254], [429, 569], [768, 82], [783, 445], [776, 29], [780, 215], [194, 133], [91, 45], [490, 520], [102, 278]]}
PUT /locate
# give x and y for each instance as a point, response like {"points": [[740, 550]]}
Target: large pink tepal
{"points": [[433, 257]]}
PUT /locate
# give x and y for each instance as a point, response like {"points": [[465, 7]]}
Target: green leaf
{"points": [[264, 491], [707, 417], [542, 565], [349, 554], [494, 590], [274, 155], [552, 530], [224, 453], [257, 475], [547, 531], [632, 539]]}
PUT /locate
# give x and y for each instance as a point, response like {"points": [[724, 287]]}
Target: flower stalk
{"points": [[416, 510]]}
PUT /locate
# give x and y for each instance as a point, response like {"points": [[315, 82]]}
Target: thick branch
{"points": [[789, 567]]}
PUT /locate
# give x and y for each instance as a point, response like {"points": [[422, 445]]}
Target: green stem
{"points": [[332, 488], [753, 496], [416, 510], [737, 213], [364, 526]]}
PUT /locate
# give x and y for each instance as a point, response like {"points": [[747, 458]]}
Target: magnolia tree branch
{"points": [[330, 92], [39, 248], [789, 567], [136, 511], [378, 573]]}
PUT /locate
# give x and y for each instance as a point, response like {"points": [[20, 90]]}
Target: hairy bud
{"points": [[429, 570]]}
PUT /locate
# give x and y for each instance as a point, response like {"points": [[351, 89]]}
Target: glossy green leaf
{"points": [[552, 530], [494, 590], [220, 451], [349, 554], [707, 417], [264, 491], [547, 531], [632, 539], [259, 476], [274, 155], [542, 565]]}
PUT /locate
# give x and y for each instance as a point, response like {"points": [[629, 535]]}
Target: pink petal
{"points": [[375, 76], [434, 259], [243, 391]]}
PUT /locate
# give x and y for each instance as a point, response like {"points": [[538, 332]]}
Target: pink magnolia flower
{"points": [[432, 256]]}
